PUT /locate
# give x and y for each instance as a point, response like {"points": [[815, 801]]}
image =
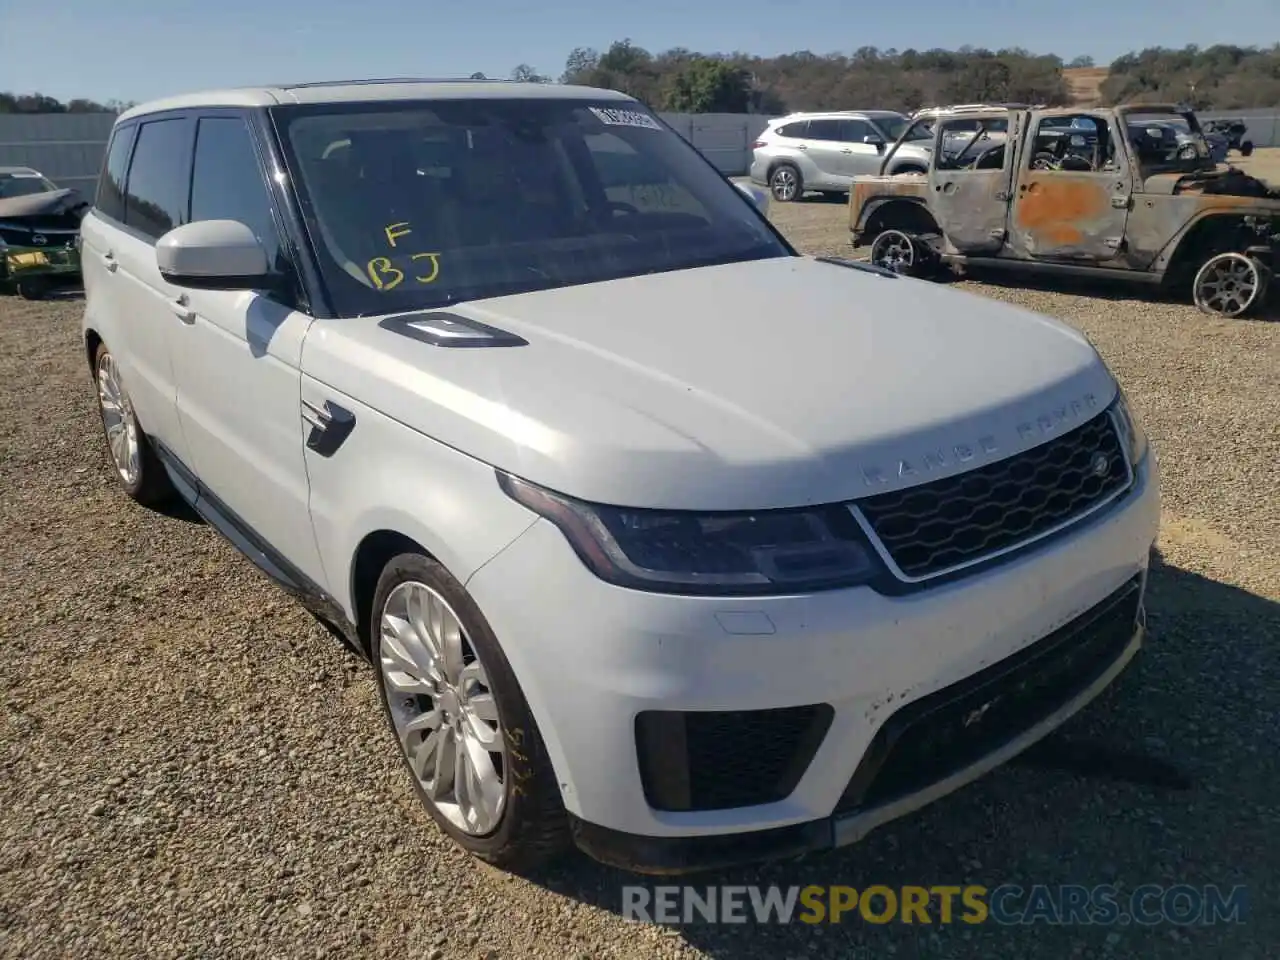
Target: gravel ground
{"points": [[190, 766]]}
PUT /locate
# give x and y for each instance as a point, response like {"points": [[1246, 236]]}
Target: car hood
{"points": [[772, 383]]}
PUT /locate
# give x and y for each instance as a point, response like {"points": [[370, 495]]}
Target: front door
{"points": [[970, 179], [857, 157], [238, 376], [1074, 190]]}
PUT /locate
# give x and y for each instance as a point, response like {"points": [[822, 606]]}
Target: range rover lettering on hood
{"points": [[985, 447]]}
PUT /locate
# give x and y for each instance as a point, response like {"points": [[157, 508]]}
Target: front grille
{"points": [[23, 238], [937, 526], [934, 737], [715, 760]]}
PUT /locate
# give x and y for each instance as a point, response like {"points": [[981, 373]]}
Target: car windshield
{"points": [[23, 184], [418, 205]]}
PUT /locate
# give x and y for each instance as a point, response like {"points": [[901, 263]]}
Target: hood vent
{"points": [[450, 330]]}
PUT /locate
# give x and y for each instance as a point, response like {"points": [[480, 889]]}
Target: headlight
{"points": [[769, 551], [1132, 435]]}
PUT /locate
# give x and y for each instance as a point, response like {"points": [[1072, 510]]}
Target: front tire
{"points": [[140, 471], [33, 288], [463, 726]]}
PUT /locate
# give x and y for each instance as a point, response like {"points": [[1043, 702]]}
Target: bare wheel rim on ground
{"points": [[1229, 285], [442, 708], [895, 251], [119, 421]]}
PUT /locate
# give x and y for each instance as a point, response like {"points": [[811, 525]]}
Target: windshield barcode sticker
{"points": [[625, 118]]}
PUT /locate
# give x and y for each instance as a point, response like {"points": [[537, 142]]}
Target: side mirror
{"points": [[757, 196], [874, 141], [213, 255]]}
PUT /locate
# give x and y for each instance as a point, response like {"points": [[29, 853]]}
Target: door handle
{"points": [[179, 306], [109, 261], [847, 150], [802, 147], [1120, 203]]}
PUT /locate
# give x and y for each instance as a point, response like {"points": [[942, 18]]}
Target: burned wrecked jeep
{"points": [[39, 225], [1125, 193]]}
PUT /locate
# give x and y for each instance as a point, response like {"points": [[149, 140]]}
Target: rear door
{"points": [[1074, 191], [119, 250], [856, 156]]}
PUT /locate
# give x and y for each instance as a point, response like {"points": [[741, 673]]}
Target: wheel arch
{"points": [[372, 554], [1210, 233], [92, 341], [909, 214]]}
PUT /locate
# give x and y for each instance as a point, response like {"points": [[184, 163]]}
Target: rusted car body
{"points": [[1104, 192]]}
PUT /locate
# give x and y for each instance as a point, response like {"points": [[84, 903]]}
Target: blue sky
{"points": [[140, 49]]}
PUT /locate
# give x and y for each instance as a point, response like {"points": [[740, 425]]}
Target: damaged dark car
{"points": [[39, 230]]}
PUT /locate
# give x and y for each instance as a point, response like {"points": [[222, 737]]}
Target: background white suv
{"points": [[663, 540], [824, 151]]}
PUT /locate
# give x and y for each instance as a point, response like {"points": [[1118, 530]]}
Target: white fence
{"points": [[68, 148]]}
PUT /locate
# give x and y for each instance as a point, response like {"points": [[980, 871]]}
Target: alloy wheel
{"points": [[1229, 285], [894, 250], [784, 183], [120, 422], [442, 708]]}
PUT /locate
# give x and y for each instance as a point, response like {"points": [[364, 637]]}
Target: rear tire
{"points": [[139, 470], [471, 688]]}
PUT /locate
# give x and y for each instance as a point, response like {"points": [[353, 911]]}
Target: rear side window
{"points": [[227, 181], [795, 130], [157, 187], [110, 198]]}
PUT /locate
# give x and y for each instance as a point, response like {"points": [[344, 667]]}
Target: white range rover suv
{"points": [[664, 540]]}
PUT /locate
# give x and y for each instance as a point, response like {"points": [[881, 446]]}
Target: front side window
{"points": [[855, 131], [227, 181], [157, 186], [895, 126], [419, 205], [825, 130], [972, 144]]}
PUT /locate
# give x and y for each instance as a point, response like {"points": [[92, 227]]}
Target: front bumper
{"points": [[1104, 641], [604, 668], [17, 263]]}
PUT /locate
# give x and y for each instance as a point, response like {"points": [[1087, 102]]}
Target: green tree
{"points": [[704, 85]]}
